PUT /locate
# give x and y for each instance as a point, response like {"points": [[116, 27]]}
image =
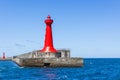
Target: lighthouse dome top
{"points": [[48, 20]]}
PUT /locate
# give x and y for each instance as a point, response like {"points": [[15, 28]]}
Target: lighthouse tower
{"points": [[48, 42], [3, 55]]}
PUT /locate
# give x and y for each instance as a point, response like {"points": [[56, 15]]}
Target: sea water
{"points": [[93, 69]]}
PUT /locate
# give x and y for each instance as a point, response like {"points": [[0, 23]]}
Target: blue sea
{"points": [[93, 69]]}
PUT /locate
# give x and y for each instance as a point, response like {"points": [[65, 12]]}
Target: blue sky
{"points": [[89, 28]]}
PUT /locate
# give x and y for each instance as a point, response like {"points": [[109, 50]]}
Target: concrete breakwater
{"points": [[38, 59], [49, 62]]}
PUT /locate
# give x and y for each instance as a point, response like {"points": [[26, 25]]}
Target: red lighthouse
{"points": [[48, 42], [3, 55]]}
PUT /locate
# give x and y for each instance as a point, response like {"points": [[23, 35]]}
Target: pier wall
{"points": [[49, 62], [38, 59]]}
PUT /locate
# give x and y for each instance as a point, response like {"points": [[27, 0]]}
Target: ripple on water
{"points": [[93, 69]]}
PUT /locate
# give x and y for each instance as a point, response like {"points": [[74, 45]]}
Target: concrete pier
{"points": [[37, 59], [48, 56], [49, 62], [46, 62]]}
